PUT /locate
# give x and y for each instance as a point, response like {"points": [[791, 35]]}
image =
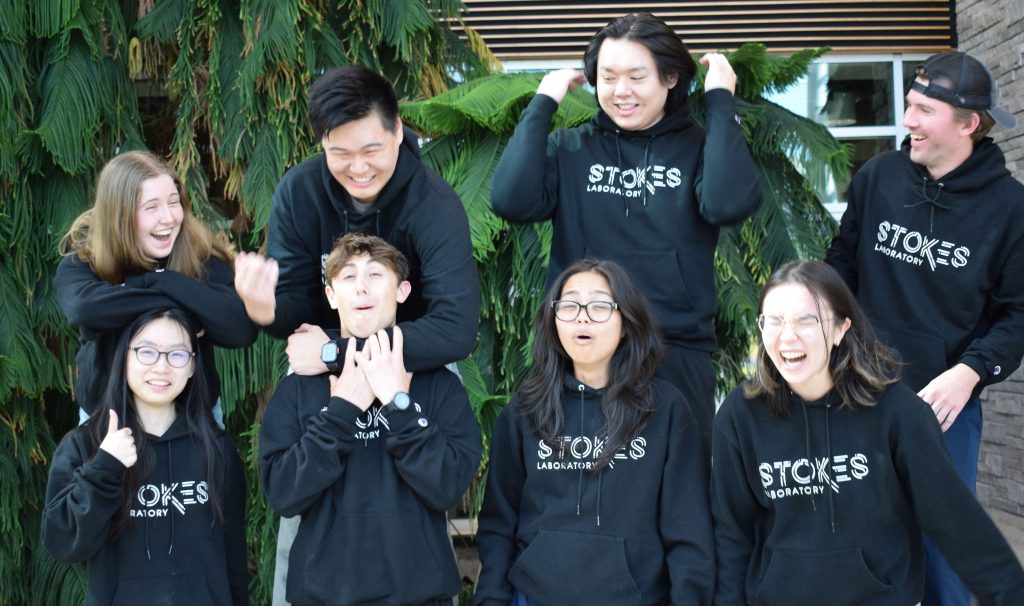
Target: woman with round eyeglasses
{"points": [[597, 489], [150, 491], [827, 469], [141, 248]]}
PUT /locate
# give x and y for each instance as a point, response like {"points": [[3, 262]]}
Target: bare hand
{"points": [[304, 347], [720, 73], [559, 82], [948, 393], [255, 281], [384, 365], [352, 385], [119, 443]]}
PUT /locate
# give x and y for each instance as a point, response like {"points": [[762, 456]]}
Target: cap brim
{"points": [[1003, 118]]}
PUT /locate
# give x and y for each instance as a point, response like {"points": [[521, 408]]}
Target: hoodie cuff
{"points": [[342, 410], [720, 100], [543, 103], [984, 370], [104, 462]]}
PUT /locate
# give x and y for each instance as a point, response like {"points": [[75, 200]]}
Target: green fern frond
{"points": [[70, 116]]}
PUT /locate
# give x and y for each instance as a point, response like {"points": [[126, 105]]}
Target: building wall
{"points": [[993, 31]]}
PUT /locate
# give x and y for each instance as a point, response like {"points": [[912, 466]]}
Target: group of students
{"points": [[601, 490]]}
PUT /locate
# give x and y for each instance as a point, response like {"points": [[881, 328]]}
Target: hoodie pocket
{"points": [[374, 557], [836, 578], [657, 273], [928, 352], [164, 591], [563, 567]]}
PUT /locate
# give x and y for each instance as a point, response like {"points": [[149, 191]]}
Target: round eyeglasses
{"points": [[801, 325], [597, 311], [148, 356]]}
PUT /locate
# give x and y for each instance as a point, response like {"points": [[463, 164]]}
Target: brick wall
{"points": [[993, 31]]}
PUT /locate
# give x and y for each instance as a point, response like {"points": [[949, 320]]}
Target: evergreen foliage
{"points": [[219, 87]]}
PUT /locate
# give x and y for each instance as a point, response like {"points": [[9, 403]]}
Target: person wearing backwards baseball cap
{"points": [[932, 244]]}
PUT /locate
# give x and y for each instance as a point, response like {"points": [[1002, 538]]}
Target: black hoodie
{"points": [[938, 265], [636, 533], [651, 200], [417, 213], [372, 489], [102, 310], [826, 505], [174, 551]]}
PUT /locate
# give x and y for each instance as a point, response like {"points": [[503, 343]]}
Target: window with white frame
{"points": [[860, 98]]}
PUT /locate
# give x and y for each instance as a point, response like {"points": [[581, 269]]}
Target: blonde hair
{"points": [[105, 235]]}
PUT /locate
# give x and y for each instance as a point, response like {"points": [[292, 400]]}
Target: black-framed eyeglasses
{"points": [[148, 356], [597, 311], [802, 325]]}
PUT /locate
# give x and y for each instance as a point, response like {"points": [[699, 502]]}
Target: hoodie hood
{"points": [[985, 165]]}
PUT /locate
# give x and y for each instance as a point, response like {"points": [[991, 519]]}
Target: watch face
{"points": [[329, 353], [401, 400]]}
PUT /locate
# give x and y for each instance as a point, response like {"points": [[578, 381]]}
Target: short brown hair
{"points": [[355, 244]]}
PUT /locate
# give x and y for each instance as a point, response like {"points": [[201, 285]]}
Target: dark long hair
{"points": [[860, 366], [193, 403], [666, 47], [628, 401]]}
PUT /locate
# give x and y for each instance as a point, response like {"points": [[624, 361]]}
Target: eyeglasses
{"points": [[178, 358], [801, 325], [597, 311]]}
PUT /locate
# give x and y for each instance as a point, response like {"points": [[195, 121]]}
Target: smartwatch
{"points": [[329, 356], [401, 401]]}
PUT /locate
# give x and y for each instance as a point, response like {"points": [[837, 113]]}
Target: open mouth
{"points": [[583, 338], [793, 358], [163, 235]]}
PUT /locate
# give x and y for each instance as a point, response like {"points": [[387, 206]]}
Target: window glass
{"points": [[843, 94]]}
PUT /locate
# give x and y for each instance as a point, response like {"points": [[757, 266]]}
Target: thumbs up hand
{"points": [[119, 442]]}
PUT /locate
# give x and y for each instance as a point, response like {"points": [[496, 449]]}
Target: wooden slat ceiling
{"points": [[557, 29]]}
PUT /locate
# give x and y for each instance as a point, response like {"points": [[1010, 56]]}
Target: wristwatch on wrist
{"points": [[401, 401], [329, 356]]}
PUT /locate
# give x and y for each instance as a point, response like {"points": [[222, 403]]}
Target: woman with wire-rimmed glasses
{"points": [[827, 469], [597, 489], [150, 491]]}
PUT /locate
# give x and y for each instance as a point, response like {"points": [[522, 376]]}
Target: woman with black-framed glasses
{"points": [[827, 468], [150, 491], [597, 489]]}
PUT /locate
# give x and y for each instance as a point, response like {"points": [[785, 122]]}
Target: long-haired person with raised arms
{"points": [[150, 491], [597, 488], [827, 469], [140, 248]]}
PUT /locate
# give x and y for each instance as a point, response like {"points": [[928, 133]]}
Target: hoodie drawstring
{"points": [[828, 452], [170, 474], [828, 481], [579, 483], [932, 201], [644, 185], [807, 446]]}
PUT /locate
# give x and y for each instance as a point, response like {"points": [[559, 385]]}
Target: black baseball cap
{"points": [[972, 82]]}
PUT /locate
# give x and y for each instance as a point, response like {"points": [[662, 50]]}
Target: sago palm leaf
{"points": [[72, 93]]}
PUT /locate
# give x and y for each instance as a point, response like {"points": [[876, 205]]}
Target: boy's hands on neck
{"points": [[383, 364], [352, 385]]}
